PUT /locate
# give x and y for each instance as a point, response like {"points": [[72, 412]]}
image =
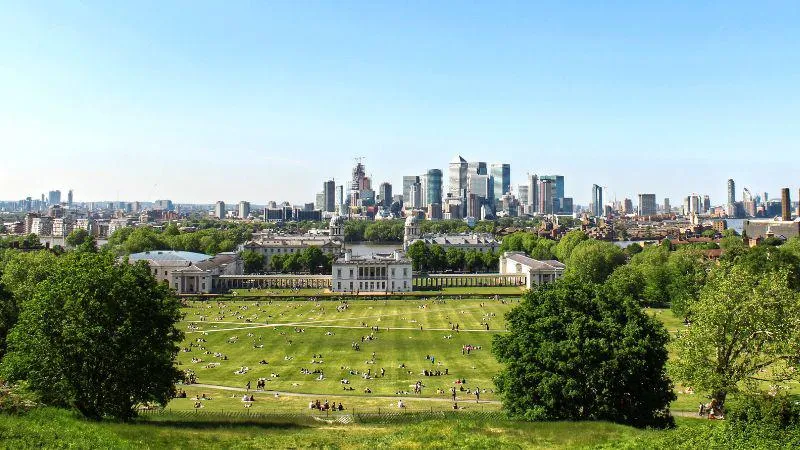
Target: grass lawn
{"points": [[50, 428]]}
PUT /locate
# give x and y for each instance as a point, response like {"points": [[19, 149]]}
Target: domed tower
{"points": [[411, 231], [336, 228]]}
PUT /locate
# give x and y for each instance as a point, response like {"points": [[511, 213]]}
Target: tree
{"points": [[745, 330], [437, 259], [455, 259], [253, 261], [81, 240], [567, 244], [574, 353], [593, 261], [97, 335], [473, 260], [686, 270], [9, 311], [420, 256]]}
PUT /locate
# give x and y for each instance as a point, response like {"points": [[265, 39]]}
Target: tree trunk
{"points": [[719, 398]]}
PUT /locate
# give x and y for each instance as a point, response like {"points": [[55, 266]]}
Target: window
{"points": [[338, 273], [351, 284], [338, 286], [393, 272], [351, 276], [405, 271]]}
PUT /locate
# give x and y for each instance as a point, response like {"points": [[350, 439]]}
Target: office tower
{"points": [[53, 197], [357, 182], [533, 192], [694, 204], [667, 207], [385, 191], [477, 167], [244, 209], [731, 206], [565, 205], [647, 205], [340, 199], [432, 187], [765, 198], [329, 196], [474, 204], [627, 206], [597, 201], [409, 182], [502, 179], [480, 185], [414, 196], [786, 205], [706, 204], [558, 184], [219, 209], [522, 194], [69, 198], [458, 176], [546, 197]]}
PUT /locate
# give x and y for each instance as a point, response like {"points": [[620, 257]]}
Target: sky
{"points": [[201, 101]]}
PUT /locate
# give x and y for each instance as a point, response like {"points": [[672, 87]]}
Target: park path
{"points": [[249, 326], [378, 397]]}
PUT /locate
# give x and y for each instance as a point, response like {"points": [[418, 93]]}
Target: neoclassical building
{"points": [[376, 273], [536, 272], [189, 272], [270, 244], [482, 242]]}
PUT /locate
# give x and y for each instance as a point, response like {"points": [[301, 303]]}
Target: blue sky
{"points": [[202, 101]]}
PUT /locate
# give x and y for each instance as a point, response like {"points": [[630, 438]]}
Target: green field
{"points": [[400, 333]]}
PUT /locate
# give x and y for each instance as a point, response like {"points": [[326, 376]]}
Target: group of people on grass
{"points": [[325, 406]]}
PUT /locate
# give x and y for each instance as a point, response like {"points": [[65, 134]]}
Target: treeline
{"points": [[311, 260], [434, 258], [209, 240], [376, 232]]}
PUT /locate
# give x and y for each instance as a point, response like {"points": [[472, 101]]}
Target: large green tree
{"points": [[97, 335], [574, 353], [745, 330], [593, 261], [253, 261], [567, 244]]}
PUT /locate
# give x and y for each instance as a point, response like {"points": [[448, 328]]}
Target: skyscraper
{"points": [[433, 187], [409, 182], [244, 209], [458, 176], [385, 191], [533, 192], [522, 194], [329, 196], [502, 179], [731, 197], [219, 209], [357, 183], [706, 204], [667, 206], [627, 206], [546, 197], [647, 205], [786, 205], [477, 167], [597, 201], [53, 197], [69, 198], [340, 199]]}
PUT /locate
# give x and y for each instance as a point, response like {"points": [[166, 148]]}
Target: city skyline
{"points": [[117, 102]]}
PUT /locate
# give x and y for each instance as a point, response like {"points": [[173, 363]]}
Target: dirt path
{"points": [[378, 397]]}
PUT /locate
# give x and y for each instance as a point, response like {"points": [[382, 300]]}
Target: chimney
{"points": [[786, 205], [348, 254]]}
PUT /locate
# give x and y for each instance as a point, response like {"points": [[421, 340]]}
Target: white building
{"points": [[42, 226], [269, 244], [536, 272], [377, 273], [189, 272], [482, 242]]}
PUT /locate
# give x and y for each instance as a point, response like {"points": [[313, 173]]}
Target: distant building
{"points": [[270, 244], [647, 205], [385, 191], [597, 200], [533, 193], [627, 206], [244, 209], [482, 242], [189, 272], [782, 229], [501, 173], [536, 272], [219, 209], [329, 196], [54, 197], [786, 205], [377, 273], [731, 205], [545, 197], [457, 176], [432, 187]]}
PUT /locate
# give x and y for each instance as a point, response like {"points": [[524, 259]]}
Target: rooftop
{"points": [[168, 255]]}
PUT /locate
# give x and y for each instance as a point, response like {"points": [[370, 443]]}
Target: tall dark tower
{"points": [[786, 205]]}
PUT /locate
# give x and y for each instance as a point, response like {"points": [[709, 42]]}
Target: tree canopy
{"points": [[96, 335], [745, 329], [574, 353]]}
